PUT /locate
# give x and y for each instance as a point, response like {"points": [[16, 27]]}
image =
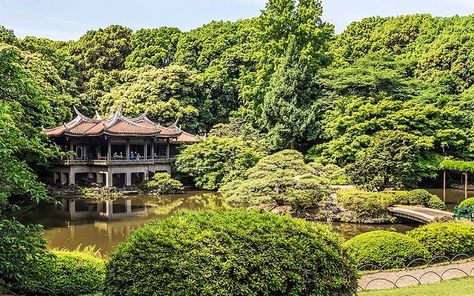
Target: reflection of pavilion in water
{"points": [[105, 217], [106, 210]]}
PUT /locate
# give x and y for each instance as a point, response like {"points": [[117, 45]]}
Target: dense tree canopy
{"points": [[23, 108], [216, 161], [282, 76]]}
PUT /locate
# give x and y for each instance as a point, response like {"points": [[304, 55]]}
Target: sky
{"points": [[69, 19]]}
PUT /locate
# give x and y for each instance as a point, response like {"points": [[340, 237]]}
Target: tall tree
{"points": [[296, 40], [23, 109]]}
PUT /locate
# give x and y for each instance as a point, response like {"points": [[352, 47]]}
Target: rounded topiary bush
{"points": [[66, 273], [386, 249], [235, 252], [467, 203], [445, 238]]}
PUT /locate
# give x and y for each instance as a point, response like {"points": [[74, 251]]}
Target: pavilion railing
{"points": [[106, 162]]}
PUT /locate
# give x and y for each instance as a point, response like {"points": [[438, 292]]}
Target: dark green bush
{"points": [[234, 252], [445, 238], [365, 205], [467, 203], [66, 273], [385, 248]]}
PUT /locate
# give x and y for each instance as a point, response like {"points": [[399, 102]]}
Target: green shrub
{"points": [[234, 252], [445, 238], [385, 248], [281, 178], [164, 184], [20, 247], [467, 203], [66, 273], [419, 197], [365, 205]]}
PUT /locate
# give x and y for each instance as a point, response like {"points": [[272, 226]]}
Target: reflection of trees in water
{"points": [[166, 205]]}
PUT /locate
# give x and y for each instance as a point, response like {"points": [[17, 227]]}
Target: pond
{"points": [[105, 224]]}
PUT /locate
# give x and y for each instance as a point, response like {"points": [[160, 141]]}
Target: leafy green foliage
{"points": [[231, 253], [20, 247], [445, 238], [163, 184], [66, 273], [365, 205], [22, 109], [331, 173], [154, 47], [279, 179], [457, 165], [103, 49], [392, 158], [295, 43], [214, 161], [469, 202], [166, 94], [370, 205], [419, 197], [384, 248]]}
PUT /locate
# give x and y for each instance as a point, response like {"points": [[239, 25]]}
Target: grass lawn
{"points": [[456, 287]]}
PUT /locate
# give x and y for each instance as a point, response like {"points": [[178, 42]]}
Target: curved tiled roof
{"points": [[119, 125]]}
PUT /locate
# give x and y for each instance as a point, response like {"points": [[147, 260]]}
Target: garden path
{"points": [[415, 276]]}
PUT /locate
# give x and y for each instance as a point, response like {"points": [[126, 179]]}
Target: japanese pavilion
{"points": [[115, 151]]}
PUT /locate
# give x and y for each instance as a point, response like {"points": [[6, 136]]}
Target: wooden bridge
{"points": [[420, 214]]}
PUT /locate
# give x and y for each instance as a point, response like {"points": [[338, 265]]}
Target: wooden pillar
{"points": [[109, 150], [465, 185], [168, 148], [444, 186], [153, 148], [145, 152], [71, 148], [127, 149]]}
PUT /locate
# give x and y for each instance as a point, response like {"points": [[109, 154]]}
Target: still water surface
{"points": [[105, 224]]}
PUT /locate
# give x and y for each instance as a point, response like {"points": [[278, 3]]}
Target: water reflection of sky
{"points": [[105, 224]]}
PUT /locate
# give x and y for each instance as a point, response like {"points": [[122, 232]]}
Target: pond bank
{"points": [[106, 223]]}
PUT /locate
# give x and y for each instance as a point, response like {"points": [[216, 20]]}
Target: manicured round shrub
{"points": [[235, 252], [66, 273], [445, 238], [384, 248], [467, 203]]}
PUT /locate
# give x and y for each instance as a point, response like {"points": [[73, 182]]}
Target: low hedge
{"points": [[445, 238], [66, 273], [235, 252], [386, 249], [467, 203], [419, 197], [367, 205]]}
